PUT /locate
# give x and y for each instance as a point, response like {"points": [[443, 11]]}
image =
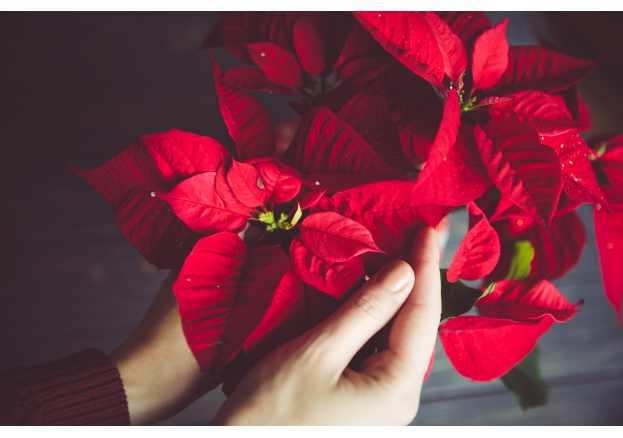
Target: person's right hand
{"points": [[308, 381]]}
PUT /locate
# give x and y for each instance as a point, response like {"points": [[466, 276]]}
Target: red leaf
{"points": [[246, 184], [455, 178], [242, 27], [540, 69], [545, 114], [483, 349], [288, 301], [295, 308], [281, 183], [179, 155], [333, 156], [335, 238], [479, 251], [609, 237], [557, 249], [490, 56], [389, 212], [154, 163], [409, 38], [580, 182], [223, 294], [247, 121], [309, 47], [279, 65], [253, 79], [369, 117], [414, 107], [334, 278], [450, 45], [522, 168], [467, 25], [197, 203], [526, 301], [309, 197], [360, 48]]}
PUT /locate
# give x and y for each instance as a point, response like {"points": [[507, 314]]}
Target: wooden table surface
{"points": [[76, 88]]}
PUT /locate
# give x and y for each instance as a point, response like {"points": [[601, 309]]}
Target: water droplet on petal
{"points": [[609, 245], [570, 163], [562, 145], [262, 54], [598, 207], [153, 194], [317, 183], [188, 279], [444, 158], [519, 222], [218, 286]]}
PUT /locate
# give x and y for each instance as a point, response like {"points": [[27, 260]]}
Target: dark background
{"points": [[75, 88]]}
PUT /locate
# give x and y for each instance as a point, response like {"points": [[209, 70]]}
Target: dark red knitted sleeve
{"points": [[82, 389]]}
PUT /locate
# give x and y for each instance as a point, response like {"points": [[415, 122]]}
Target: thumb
{"points": [[364, 314]]}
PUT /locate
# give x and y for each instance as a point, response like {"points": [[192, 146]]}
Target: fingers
{"points": [[413, 333], [364, 314]]}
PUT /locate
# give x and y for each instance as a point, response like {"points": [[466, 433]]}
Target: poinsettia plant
{"points": [[404, 117]]}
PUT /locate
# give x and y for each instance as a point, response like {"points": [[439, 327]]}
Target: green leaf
{"points": [[526, 383], [522, 261], [458, 298]]}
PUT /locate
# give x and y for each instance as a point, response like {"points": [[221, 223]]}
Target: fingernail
{"points": [[395, 276]]}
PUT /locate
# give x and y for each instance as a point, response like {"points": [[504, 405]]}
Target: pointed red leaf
{"points": [[154, 163], [335, 238], [483, 349], [361, 49], [246, 184], [541, 69], [580, 182], [223, 294], [248, 122], [197, 203], [450, 45], [467, 25], [309, 47], [279, 65], [609, 237], [248, 78], [455, 178], [526, 301], [546, 114], [288, 301], [526, 171], [226, 193], [389, 211], [558, 249], [478, 252], [334, 278], [295, 308], [281, 183], [242, 27], [369, 117], [179, 155], [490, 56], [333, 156], [409, 38], [206, 289]]}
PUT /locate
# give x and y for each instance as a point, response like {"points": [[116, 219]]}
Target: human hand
{"points": [[159, 372], [308, 381]]}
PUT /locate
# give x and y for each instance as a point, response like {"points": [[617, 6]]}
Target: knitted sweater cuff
{"points": [[82, 389]]}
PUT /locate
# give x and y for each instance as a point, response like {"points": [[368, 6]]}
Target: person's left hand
{"points": [[159, 372]]}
